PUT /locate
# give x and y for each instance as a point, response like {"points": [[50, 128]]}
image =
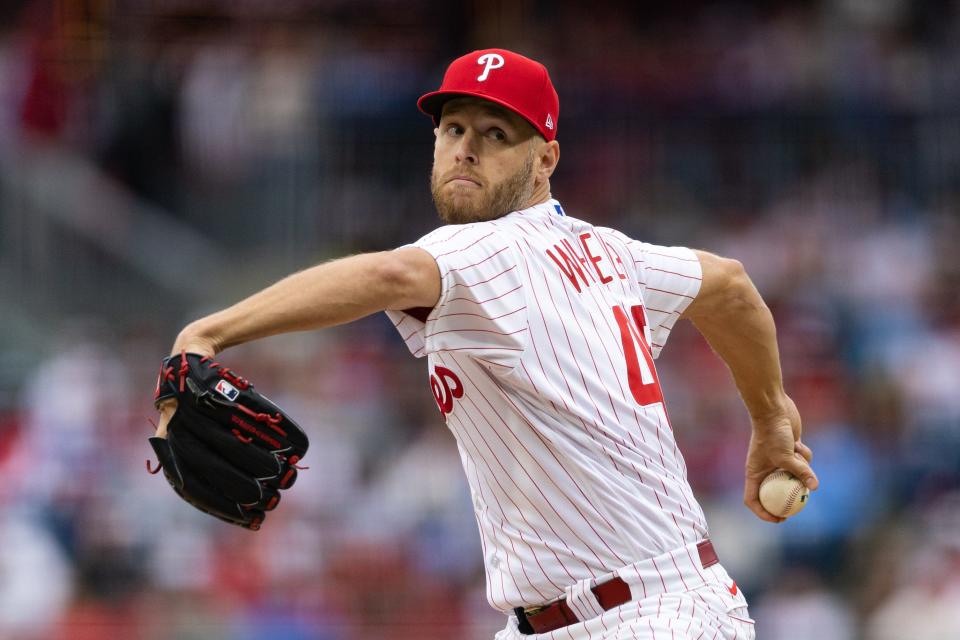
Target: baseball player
{"points": [[540, 332]]}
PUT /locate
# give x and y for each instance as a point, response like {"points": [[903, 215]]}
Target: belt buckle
{"points": [[532, 611]]}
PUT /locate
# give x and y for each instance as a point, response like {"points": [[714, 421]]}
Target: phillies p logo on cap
{"points": [[490, 61], [504, 78]]}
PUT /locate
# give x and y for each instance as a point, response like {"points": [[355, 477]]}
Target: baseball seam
{"points": [[790, 499]]}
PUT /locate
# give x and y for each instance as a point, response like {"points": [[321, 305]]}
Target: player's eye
{"points": [[497, 134], [454, 130]]}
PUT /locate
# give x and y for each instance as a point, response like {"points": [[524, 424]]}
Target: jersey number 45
{"points": [[641, 374]]}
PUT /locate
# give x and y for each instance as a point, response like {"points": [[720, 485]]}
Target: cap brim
{"points": [[432, 105]]}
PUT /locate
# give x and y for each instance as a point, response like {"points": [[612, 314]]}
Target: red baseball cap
{"points": [[504, 77]]}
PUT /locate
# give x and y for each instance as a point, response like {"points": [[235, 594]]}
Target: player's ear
{"points": [[548, 154]]}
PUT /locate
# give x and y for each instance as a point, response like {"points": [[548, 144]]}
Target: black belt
{"points": [[610, 594]]}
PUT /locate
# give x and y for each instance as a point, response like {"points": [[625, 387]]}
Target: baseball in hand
{"points": [[783, 494]]}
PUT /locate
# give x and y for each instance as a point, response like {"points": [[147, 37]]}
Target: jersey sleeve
{"points": [[482, 305], [668, 278]]}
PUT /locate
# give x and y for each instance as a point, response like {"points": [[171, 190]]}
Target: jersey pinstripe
{"points": [[540, 354]]}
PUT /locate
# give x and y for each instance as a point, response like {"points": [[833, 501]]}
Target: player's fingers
{"points": [[167, 408], [799, 467], [804, 451], [751, 498]]}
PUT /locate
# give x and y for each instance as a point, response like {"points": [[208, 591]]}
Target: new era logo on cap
{"points": [[502, 77]]}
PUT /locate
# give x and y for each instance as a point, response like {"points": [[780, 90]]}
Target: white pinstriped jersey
{"points": [[540, 358]]}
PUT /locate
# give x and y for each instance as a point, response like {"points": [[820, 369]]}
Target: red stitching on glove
{"points": [[272, 421], [293, 460], [242, 438], [242, 383], [184, 368], [160, 379]]}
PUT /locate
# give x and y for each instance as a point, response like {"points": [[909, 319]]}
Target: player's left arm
{"points": [[327, 294], [732, 316]]}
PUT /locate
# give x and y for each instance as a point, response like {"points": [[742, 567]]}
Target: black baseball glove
{"points": [[229, 450]]}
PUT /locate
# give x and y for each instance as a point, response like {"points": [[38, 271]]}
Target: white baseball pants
{"points": [[674, 598]]}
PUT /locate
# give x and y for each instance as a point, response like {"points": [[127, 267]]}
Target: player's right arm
{"points": [[732, 316]]}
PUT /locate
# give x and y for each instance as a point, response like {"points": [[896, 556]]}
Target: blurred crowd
{"points": [[818, 143]]}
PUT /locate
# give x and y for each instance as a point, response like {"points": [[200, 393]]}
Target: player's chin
{"points": [[461, 208]]}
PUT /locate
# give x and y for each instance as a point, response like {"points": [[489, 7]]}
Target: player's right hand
{"points": [[776, 444]]}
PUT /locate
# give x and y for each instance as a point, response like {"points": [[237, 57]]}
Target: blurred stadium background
{"points": [[161, 158]]}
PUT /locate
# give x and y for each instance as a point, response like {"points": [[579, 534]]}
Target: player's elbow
{"points": [[726, 288], [738, 295], [734, 276]]}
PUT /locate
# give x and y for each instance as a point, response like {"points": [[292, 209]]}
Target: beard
{"points": [[488, 204]]}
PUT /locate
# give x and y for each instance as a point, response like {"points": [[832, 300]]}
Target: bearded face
{"points": [[459, 202], [484, 162]]}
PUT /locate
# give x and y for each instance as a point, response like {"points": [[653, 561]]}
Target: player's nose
{"points": [[466, 150]]}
